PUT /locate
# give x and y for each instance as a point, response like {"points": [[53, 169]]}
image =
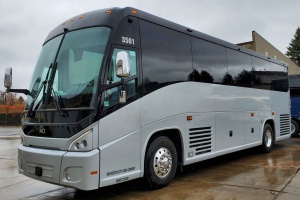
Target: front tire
{"points": [[160, 163], [294, 128], [268, 139]]}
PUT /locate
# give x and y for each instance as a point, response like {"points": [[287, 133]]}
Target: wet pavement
{"points": [[9, 132], [244, 175]]}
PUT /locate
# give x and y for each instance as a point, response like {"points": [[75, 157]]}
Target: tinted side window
{"points": [[209, 62], [279, 78], [261, 73], [239, 68], [269, 76], [166, 56]]}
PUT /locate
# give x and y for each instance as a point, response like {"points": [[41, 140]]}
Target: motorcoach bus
{"points": [[119, 94]]}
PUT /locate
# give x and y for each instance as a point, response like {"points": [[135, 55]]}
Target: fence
{"points": [[11, 115]]}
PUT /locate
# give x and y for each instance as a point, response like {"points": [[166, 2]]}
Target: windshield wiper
{"points": [[30, 113], [30, 110], [56, 98], [58, 103]]}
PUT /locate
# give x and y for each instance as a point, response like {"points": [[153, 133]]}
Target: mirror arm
{"points": [[24, 91], [123, 83], [122, 96]]}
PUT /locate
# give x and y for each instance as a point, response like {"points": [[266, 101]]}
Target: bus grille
{"points": [[200, 139], [285, 124]]}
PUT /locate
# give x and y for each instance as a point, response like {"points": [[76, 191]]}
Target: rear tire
{"points": [[268, 139], [294, 128], [160, 163]]}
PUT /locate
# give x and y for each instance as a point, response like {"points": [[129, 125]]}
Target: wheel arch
{"points": [[175, 136], [272, 124]]}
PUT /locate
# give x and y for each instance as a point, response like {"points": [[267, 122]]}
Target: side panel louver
{"points": [[200, 139], [285, 124]]}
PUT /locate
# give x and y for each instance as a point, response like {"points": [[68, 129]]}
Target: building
{"points": [[261, 45]]}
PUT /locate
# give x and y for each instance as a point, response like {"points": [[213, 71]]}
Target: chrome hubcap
{"points": [[268, 138], [162, 162]]}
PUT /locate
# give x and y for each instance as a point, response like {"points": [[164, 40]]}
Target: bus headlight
{"points": [[83, 142]]}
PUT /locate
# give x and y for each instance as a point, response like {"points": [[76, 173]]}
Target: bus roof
{"points": [[111, 17]]}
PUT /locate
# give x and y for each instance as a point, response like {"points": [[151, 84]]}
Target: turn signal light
{"points": [[189, 118]]}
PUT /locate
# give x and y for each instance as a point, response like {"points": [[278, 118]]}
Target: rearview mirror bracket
{"points": [[8, 83]]}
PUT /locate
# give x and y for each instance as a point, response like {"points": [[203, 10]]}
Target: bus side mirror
{"points": [[122, 64], [8, 78], [122, 70]]}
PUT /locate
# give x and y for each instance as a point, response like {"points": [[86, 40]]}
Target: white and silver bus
{"points": [[119, 94]]}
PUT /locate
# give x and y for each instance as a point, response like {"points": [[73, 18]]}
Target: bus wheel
{"points": [[294, 128], [268, 139], [160, 163]]}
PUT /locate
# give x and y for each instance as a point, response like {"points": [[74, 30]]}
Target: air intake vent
{"points": [[285, 124], [200, 139]]}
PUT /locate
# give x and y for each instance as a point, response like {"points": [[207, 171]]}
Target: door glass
{"points": [[111, 95], [112, 78]]}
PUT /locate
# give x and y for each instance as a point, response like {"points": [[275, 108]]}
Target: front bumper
{"points": [[72, 169]]}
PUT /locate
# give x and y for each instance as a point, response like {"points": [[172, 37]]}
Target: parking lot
{"points": [[244, 175]]}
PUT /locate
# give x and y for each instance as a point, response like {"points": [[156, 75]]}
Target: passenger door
{"points": [[119, 127]]}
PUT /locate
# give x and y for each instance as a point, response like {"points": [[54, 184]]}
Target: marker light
{"points": [[108, 11], [94, 172], [189, 118], [134, 12], [82, 16], [252, 114]]}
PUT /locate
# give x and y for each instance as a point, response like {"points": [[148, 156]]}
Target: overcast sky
{"points": [[24, 25]]}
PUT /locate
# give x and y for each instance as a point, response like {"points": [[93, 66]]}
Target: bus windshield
{"points": [[72, 73]]}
